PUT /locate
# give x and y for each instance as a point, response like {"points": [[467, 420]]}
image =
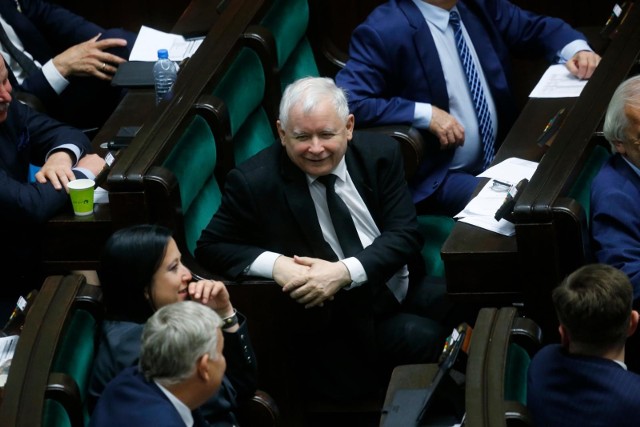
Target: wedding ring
{"points": [[104, 64]]}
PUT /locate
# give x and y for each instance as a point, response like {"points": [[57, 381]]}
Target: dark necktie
{"points": [[341, 218], [480, 104], [25, 62]]}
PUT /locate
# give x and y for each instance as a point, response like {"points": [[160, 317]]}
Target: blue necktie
{"points": [[341, 218], [485, 125]]}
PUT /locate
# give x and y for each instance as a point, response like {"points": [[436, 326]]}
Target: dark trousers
{"points": [[451, 196]]}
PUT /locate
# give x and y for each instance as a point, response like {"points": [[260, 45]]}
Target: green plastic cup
{"points": [[81, 192]]}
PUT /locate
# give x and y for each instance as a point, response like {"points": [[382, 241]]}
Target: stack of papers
{"points": [[7, 350], [480, 211], [149, 41]]}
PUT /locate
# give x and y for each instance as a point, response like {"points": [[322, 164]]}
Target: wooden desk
{"points": [[484, 266], [72, 242], [408, 377]]}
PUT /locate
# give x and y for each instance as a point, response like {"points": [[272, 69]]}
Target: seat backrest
{"points": [[434, 229], [501, 347], [49, 374], [242, 89]]}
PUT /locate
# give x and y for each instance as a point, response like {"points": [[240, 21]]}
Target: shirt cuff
{"points": [[356, 270], [422, 115], [53, 76], [571, 49], [70, 147], [263, 265]]}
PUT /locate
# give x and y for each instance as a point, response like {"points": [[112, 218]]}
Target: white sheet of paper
{"points": [[150, 40], [558, 82], [480, 211]]}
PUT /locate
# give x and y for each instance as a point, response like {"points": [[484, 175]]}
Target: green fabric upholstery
{"points": [[55, 415], [300, 64], [287, 20], [75, 356], [242, 87], [581, 189], [515, 379], [434, 229], [193, 161], [295, 56], [256, 133]]}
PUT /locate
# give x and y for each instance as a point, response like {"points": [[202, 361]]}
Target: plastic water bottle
{"points": [[165, 73]]}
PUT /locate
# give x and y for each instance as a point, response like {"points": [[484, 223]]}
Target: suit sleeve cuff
{"points": [[571, 49], [422, 115], [356, 270], [69, 147], [263, 265], [54, 78]]}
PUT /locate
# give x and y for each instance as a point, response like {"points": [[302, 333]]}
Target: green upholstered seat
{"points": [[74, 357], [515, 379], [55, 415], [242, 89], [193, 162], [581, 189], [434, 229], [288, 20]]}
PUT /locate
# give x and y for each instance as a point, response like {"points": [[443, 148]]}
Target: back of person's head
{"points": [[616, 121], [129, 260], [308, 92], [594, 304], [175, 338]]}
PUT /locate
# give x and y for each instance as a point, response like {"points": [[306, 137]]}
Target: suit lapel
{"points": [[29, 35], [427, 53]]}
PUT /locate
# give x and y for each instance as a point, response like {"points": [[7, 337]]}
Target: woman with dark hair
{"points": [[141, 271]]}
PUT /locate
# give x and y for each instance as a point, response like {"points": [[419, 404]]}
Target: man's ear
{"points": [[202, 367], [633, 323], [619, 146], [280, 131], [564, 336]]}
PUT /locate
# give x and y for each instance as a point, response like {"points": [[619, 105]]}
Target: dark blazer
{"points": [[26, 137], [120, 348], [131, 400], [566, 390], [615, 218], [266, 206], [46, 30], [393, 63]]}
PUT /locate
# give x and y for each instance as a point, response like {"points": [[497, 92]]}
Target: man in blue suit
{"points": [[74, 60], [181, 366], [404, 67], [27, 136], [583, 381], [615, 191]]}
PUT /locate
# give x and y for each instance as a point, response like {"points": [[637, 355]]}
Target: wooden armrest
{"points": [[260, 411], [411, 142], [63, 388]]}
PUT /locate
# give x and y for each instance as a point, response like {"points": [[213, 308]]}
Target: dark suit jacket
{"points": [[46, 30], [393, 63], [615, 218], [566, 390], [266, 206], [131, 400], [120, 348], [26, 137]]}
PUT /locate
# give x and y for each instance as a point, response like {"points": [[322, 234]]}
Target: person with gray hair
{"points": [[327, 214], [583, 381], [615, 191], [181, 366]]}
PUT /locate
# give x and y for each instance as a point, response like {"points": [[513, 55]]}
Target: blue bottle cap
{"points": [[163, 54]]}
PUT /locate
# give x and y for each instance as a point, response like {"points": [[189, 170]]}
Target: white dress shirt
{"points": [[365, 226]]}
